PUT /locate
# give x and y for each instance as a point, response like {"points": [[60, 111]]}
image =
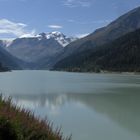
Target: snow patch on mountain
{"points": [[58, 36], [61, 38], [7, 42]]}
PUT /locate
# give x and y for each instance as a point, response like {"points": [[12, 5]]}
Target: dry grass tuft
{"points": [[20, 124]]}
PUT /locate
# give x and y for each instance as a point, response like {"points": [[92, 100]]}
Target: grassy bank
{"points": [[21, 124]]}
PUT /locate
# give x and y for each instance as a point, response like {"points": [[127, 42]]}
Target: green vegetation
{"points": [[121, 55], [21, 124]]}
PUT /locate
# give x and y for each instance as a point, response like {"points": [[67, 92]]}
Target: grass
{"points": [[20, 124]]}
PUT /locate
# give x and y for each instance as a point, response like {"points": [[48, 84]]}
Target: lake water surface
{"points": [[88, 106]]}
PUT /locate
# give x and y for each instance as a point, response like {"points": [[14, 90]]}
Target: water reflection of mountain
{"points": [[121, 108], [41, 100]]}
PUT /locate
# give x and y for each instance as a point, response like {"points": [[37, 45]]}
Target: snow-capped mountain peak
{"points": [[62, 39], [58, 36]]}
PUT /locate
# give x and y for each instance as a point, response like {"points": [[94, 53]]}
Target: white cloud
{"points": [[13, 28], [77, 3], [55, 26], [82, 35]]}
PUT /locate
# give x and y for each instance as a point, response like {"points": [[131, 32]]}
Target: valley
{"points": [[112, 48]]}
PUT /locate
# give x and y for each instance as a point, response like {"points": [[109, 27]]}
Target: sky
{"points": [[71, 17]]}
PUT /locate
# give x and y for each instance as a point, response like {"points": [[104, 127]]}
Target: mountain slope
{"points": [[127, 23], [119, 55], [35, 48], [7, 60]]}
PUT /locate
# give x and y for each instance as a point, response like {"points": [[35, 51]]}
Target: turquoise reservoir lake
{"points": [[89, 106]]}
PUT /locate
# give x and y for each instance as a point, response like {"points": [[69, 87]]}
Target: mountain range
{"points": [[104, 49], [35, 48]]}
